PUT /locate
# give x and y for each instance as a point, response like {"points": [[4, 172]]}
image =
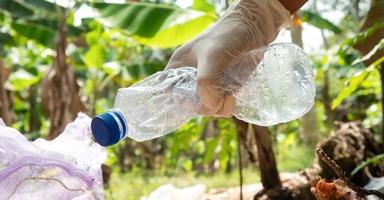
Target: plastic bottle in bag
{"points": [[271, 85], [67, 167]]}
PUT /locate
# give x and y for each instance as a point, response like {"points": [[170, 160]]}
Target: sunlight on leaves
{"points": [[95, 56], [155, 25], [379, 46], [354, 83], [203, 5], [21, 80], [178, 34], [318, 21]]}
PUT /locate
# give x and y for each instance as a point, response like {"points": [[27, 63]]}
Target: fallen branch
{"points": [[338, 171]]}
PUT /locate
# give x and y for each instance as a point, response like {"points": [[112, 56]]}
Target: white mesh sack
{"points": [[68, 167]]}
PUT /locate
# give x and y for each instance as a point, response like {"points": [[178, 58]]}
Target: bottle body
{"points": [[159, 104], [280, 89], [271, 85]]}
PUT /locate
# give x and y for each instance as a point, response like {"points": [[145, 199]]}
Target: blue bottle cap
{"points": [[109, 128]]}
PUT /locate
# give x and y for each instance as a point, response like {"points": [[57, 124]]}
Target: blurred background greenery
{"points": [[90, 49]]}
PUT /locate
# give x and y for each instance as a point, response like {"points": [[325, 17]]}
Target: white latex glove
{"points": [[247, 25]]}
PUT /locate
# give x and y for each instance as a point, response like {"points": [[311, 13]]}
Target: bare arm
{"points": [[293, 5]]}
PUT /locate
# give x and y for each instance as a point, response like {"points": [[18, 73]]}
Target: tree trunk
{"points": [[5, 111], [248, 142], [34, 119], [59, 88], [265, 156], [267, 163], [310, 129], [374, 15], [327, 101]]}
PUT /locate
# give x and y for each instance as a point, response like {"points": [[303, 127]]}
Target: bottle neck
{"points": [[121, 122]]}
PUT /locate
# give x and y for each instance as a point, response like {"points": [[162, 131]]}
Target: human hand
{"points": [[247, 25]]}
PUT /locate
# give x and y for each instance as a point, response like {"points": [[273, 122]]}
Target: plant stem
{"points": [[381, 70], [339, 173]]}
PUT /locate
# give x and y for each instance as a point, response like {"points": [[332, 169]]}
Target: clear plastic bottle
{"points": [[271, 85]]}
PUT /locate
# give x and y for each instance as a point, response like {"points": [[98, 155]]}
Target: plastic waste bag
{"points": [[169, 192], [375, 184], [68, 167]]}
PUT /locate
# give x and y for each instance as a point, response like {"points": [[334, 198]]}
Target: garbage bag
{"points": [[68, 167], [375, 184], [169, 192]]}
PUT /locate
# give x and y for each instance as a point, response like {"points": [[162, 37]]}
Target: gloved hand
{"points": [[247, 25]]}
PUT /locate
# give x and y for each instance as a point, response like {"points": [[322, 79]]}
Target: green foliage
{"points": [[354, 83], [6, 38], [36, 19], [292, 155], [192, 139], [203, 5], [161, 31], [116, 50], [22, 79], [156, 24], [375, 160], [135, 17], [136, 183], [53, 25], [361, 36], [316, 20], [44, 5], [227, 143], [211, 144], [179, 32], [95, 56], [40, 34], [15, 8], [378, 47]]}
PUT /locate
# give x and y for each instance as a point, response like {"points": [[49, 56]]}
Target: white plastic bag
{"points": [[68, 167]]}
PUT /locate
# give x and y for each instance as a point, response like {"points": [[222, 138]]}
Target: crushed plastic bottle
{"points": [[271, 85], [68, 167]]}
